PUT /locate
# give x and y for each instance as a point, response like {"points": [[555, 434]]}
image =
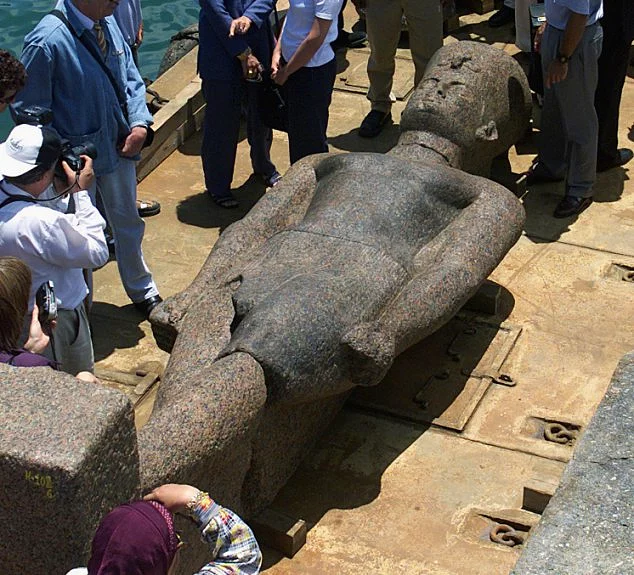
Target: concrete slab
{"points": [[383, 497]]}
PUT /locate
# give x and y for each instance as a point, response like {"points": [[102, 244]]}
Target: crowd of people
{"points": [[68, 171]]}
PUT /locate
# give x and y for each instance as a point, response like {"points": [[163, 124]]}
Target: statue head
{"points": [[472, 104]]}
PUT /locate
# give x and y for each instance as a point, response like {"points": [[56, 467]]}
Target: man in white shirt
{"points": [[56, 245]]}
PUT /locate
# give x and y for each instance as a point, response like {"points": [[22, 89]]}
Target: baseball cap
{"points": [[27, 147]]}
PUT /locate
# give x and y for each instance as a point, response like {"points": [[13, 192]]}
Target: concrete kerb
{"points": [[588, 524]]}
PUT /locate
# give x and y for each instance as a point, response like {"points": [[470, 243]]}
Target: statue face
{"points": [[449, 100]]}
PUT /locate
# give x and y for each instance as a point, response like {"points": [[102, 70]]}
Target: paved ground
{"points": [[382, 494]]}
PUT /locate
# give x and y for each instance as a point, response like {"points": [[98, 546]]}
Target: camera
{"points": [[46, 303], [71, 155], [41, 116]]}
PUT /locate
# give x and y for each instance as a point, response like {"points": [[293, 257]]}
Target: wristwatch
{"points": [[562, 59], [244, 55]]}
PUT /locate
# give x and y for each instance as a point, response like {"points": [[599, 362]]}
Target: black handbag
{"points": [[272, 103], [271, 96]]}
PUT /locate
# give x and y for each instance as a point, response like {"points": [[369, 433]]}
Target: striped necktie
{"points": [[101, 38]]}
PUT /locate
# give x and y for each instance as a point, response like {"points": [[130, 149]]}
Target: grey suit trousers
{"points": [[569, 125]]}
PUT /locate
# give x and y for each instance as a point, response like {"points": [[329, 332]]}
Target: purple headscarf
{"points": [[134, 539]]}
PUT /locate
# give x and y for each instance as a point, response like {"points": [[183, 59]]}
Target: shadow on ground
{"points": [[121, 322], [540, 202], [201, 211]]}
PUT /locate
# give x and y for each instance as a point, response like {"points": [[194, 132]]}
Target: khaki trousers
{"points": [[383, 25]]}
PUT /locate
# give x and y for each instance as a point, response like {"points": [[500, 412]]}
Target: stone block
{"points": [[68, 454]]}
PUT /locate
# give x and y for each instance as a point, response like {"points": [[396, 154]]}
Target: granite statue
{"points": [[351, 260], [346, 263]]}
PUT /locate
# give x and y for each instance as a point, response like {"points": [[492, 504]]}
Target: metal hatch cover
{"points": [[441, 380]]}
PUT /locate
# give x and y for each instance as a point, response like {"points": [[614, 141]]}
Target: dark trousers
{"points": [[221, 130], [618, 33], [308, 95]]}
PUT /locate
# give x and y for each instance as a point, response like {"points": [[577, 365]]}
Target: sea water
{"points": [[161, 20]]}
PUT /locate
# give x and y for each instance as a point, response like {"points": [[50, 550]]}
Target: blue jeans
{"points": [[308, 95], [221, 129]]}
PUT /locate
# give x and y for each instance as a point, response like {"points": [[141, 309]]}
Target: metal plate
{"points": [[441, 380]]}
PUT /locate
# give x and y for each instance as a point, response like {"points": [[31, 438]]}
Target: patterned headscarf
{"points": [[134, 539]]}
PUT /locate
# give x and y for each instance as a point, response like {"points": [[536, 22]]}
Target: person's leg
{"points": [[612, 71], [221, 128], [71, 344], [118, 192], [503, 16], [424, 23], [551, 157], [260, 137], [576, 102], [308, 95], [383, 22]]}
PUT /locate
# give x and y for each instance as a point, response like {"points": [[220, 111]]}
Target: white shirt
{"points": [[299, 20], [55, 245]]}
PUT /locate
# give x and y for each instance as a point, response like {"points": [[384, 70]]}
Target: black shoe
{"points": [[537, 175], [501, 17], [373, 123], [148, 304], [623, 156], [571, 206]]}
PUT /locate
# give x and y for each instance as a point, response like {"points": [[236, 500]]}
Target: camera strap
{"points": [[92, 50]]}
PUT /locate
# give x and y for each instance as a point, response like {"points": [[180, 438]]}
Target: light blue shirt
{"points": [[558, 11], [128, 16], [299, 21], [67, 79]]}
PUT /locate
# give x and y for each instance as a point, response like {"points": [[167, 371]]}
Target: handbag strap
{"points": [[91, 49]]}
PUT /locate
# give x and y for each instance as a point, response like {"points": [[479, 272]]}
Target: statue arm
{"points": [[280, 208], [446, 272], [450, 269]]}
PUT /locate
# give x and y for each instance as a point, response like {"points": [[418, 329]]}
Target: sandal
{"points": [[147, 208]]}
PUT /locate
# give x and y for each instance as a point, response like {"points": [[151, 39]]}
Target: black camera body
{"points": [[41, 116], [46, 303]]}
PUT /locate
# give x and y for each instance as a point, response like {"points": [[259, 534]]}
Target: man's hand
{"points": [[557, 72], [133, 143], [239, 26], [76, 183], [275, 62], [139, 35], [537, 42], [280, 76], [251, 67], [38, 340], [87, 377], [174, 496]]}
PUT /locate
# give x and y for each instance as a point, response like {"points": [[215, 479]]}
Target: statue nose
{"points": [[442, 89]]}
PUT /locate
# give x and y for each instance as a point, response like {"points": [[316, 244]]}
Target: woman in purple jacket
{"points": [[15, 284]]}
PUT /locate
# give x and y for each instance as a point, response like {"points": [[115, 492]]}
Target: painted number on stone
{"points": [[43, 481]]}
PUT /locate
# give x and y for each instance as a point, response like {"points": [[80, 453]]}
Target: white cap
{"points": [[27, 147]]}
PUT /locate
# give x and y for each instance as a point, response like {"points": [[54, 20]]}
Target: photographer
{"points": [[56, 245]]}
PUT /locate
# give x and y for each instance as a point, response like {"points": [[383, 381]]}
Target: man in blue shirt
{"points": [[65, 61], [570, 45]]}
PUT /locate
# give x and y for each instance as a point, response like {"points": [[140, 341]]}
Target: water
{"points": [[161, 19]]}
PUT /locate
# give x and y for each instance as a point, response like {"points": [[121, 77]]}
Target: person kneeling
{"points": [[36, 226], [140, 538]]}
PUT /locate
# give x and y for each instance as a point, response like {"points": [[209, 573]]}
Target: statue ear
{"points": [[488, 132], [369, 353]]}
